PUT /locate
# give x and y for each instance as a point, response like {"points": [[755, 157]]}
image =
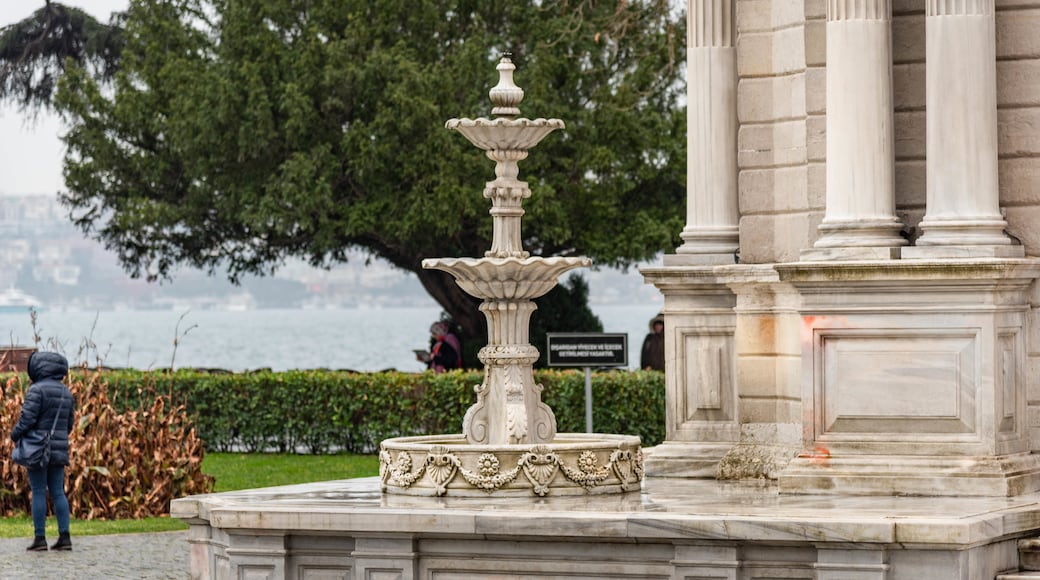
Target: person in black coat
{"points": [[46, 399], [652, 355], [445, 349]]}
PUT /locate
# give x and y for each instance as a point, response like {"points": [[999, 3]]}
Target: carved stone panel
{"points": [[895, 383], [1010, 390], [708, 369]]}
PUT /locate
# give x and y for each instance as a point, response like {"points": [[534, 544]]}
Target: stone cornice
{"points": [[1003, 272]]}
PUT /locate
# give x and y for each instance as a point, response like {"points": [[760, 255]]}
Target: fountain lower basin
{"points": [[571, 464]]}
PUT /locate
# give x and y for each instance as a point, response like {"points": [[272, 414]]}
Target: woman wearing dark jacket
{"points": [[48, 397]]}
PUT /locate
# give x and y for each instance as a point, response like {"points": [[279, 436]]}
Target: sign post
{"points": [[587, 350]]}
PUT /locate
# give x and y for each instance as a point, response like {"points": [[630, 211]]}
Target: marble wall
{"points": [[781, 106]]}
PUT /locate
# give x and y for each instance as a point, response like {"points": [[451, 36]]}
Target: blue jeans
{"points": [[40, 480]]}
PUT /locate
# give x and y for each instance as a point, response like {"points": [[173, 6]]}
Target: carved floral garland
{"points": [[539, 465]]}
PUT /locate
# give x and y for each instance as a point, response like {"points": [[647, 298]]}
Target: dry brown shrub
{"points": [[122, 465]]}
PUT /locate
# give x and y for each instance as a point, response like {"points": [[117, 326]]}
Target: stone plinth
{"points": [[673, 529], [732, 361], [700, 371], [914, 378]]}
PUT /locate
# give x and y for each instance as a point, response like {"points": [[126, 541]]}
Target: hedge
{"points": [[127, 462], [318, 411]]}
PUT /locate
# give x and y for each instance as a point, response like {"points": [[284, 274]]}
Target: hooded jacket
{"points": [[47, 397], [652, 354]]}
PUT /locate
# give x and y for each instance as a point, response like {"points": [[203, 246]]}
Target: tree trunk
{"points": [[462, 308]]}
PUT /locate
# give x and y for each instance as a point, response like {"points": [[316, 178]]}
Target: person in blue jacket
{"points": [[48, 396]]}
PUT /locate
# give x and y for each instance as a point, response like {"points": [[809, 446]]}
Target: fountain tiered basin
{"points": [[509, 445]]}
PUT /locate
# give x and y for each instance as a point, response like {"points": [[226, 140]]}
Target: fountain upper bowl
{"points": [[504, 134]]}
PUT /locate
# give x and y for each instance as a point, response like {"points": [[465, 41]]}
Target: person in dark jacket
{"points": [[445, 349], [47, 398], [652, 355]]}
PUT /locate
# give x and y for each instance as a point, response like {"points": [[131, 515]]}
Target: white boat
{"points": [[14, 300]]}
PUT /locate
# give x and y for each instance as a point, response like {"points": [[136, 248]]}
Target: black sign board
{"points": [[587, 349]]}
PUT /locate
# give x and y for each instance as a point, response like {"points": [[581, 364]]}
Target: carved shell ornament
{"points": [[540, 466], [441, 467]]}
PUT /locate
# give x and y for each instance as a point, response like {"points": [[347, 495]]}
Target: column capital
{"points": [[959, 8], [711, 24], [860, 9]]}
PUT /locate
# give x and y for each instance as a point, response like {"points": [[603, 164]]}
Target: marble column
{"points": [[711, 232], [963, 213], [860, 221]]}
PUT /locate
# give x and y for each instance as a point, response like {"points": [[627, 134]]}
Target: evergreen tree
{"points": [[237, 133], [35, 51]]}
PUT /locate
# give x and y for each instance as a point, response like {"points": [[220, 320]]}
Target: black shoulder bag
{"points": [[34, 451]]}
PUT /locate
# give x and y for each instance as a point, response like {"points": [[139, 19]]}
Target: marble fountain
{"points": [[509, 443]]}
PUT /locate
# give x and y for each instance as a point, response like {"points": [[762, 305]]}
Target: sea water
{"points": [[357, 339]]}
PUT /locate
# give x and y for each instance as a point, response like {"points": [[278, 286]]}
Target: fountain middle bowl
{"points": [[571, 464], [507, 278], [504, 134]]}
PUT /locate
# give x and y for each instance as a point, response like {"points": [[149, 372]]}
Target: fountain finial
{"points": [[505, 96]]}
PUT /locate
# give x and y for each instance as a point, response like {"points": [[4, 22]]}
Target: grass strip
{"points": [[234, 471]]}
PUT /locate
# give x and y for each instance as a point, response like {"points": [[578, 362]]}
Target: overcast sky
{"points": [[31, 153]]}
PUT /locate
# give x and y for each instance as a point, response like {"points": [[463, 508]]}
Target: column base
{"points": [[857, 239], [901, 475], [861, 253], [963, 252], [706, 246], [709, 239], [963, 231], [684, 459]]}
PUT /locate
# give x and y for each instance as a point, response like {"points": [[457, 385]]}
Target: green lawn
{"points": [[250, 470], [232, 471]]}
